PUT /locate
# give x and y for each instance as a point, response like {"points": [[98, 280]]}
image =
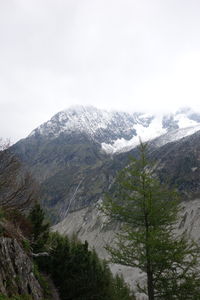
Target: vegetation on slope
{"points": [[77, 272]]}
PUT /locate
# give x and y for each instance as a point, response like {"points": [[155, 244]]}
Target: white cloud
{"points": [[122, 54]]}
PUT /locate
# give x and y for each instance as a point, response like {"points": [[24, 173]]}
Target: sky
{"points": [[132, 55]]}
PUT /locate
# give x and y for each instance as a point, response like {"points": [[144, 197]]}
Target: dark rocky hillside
{"points": [[66, 158], [179, 165], [74, 173]]}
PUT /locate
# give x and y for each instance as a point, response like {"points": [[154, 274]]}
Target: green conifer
{"points": [[148, 211]]}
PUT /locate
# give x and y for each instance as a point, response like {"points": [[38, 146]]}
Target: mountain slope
{"points": [[178, 164], [67, 156], [99, 125]]}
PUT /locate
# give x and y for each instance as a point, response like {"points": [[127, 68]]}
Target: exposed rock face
{"points": [[16, 271], [89, 224]]}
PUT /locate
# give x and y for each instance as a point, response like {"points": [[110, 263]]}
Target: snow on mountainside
{"points": [[100, 125], [175, 135], [119, 131], [144, 132]]}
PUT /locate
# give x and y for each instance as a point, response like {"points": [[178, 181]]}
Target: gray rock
{"points": [[16, 271]]}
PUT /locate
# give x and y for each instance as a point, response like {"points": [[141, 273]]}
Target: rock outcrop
{"points": [[16, 271]]}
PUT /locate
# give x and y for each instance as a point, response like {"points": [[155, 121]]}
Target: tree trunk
{"points": [[150, 286]]}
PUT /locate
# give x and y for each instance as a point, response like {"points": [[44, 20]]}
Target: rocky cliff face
{"points": [[16, 271]]}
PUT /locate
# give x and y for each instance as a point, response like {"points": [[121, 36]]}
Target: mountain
{"points": [[90, 225], [114, 131], [178, 164], [76, 155]]}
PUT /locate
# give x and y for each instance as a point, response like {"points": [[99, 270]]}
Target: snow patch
{"points": [[120, 145], [154, 130]]}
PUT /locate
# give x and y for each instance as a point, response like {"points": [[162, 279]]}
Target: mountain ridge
{"points": [[74, 173], [115, 131], [70, 165]]}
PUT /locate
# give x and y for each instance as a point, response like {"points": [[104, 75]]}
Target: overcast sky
{"points": [[114, 54]]}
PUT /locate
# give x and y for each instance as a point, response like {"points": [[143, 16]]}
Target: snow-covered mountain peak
{"points": [[83, 118], [101, 125], [116, 131]]}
